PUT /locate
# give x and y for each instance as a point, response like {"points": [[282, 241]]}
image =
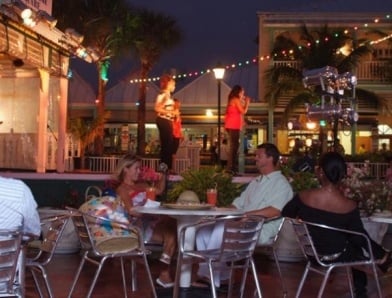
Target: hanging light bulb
{"points": [[310, 125]]}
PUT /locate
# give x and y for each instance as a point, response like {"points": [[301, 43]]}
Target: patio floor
{"points": [[63, 267]]}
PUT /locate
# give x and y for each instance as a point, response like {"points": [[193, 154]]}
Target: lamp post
{"points": [[219, 73]]}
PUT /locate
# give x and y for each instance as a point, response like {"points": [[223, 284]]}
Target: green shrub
{"points": [[208, 177]]}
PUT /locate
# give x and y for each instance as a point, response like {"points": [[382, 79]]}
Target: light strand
{"points": [[264, 58]]}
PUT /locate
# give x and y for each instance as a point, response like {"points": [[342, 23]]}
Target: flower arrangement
{"points": [[372, 195], [150, 176]]}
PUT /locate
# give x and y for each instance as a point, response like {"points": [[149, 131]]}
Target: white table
{"points": [[377, 226], [382, 219], [186, 217]]}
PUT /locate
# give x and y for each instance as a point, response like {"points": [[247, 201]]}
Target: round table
{"points": [[187, 217]]}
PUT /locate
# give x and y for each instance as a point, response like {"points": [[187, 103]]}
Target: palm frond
{"points": [[306, 97]]}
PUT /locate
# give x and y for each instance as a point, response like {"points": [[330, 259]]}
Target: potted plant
{"points": [[206, 178], [85, 131]]}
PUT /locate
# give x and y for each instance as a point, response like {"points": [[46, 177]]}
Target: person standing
{"points": [[266, 196], [166, 112], [177, 130], [237, 106], [224, 153]]}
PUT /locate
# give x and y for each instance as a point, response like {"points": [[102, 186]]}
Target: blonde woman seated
{"points": [[130, 192]]}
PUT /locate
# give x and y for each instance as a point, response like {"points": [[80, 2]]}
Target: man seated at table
{"points": [[266, 195], [18, 207]]}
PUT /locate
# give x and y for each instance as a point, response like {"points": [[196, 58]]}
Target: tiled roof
{"points": [[203, 91], [80, 92], [126, 92]]}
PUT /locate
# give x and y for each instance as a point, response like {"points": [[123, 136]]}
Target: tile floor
{"points": [[63, 267]]}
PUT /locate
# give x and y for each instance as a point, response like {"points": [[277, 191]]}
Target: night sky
{"points": [[220, 31]]}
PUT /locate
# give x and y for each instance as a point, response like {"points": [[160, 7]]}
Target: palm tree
{"points": [[154, 34], [85, 132], [101, 23], [313, 50]]}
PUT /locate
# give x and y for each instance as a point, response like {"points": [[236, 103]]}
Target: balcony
{"points": [[368, 71]]}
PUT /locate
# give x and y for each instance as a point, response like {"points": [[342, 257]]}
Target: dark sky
{"points": [[220, 31]]}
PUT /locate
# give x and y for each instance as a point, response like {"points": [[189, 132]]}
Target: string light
{"points": [[265, 58]]}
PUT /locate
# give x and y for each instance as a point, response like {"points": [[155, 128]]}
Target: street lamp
{"points": [[219, 73]]}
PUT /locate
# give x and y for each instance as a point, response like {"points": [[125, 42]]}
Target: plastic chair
{"points": [[36, 264], [318, 263], [271, 246], [114, 247], [10, 248], [240, 236]]}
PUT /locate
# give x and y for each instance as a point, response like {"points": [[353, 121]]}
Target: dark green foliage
{"points": [[312, 48], [200, 180]]}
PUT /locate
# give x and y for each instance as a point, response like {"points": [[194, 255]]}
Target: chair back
{"points": [[99, 247], [85, 224], [323, 264], [308, 246], [55, 227], [10, 246], [241, 235], [81, 229], [304, 238]]}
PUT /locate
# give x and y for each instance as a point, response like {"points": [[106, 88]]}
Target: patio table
{"points": [[186, 217]]}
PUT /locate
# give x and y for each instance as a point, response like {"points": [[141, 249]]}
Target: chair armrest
{"points": [[209, 222], [349, 232]]}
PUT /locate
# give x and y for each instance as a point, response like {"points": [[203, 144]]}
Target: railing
{"points": [[109, 164], [191, 152], [152, 163], [103, 164], [376, 170], [366, 71]]}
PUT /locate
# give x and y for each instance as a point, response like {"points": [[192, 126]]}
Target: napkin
{"points": [[152, 204]]}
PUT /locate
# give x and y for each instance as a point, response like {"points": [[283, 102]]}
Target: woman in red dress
{"points": [[237, 106]]}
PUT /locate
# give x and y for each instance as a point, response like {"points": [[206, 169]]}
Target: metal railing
{"points": [[106, 164], [371, 71], [372, 169]]}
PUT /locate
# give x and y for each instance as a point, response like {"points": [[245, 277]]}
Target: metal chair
{"points": [[240, 236], [36, 264], [319, 263], [114, 247], [10, 248], [271, 246]]}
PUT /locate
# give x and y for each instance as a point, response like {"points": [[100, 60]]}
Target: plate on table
{"points": [[187, 206]]}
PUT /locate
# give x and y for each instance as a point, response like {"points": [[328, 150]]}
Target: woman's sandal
{"points": [[165, 259], [164, 284]]}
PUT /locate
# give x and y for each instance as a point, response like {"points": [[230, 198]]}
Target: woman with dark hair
{"points": [[327, 205], [166, 113], [237, 106]]}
